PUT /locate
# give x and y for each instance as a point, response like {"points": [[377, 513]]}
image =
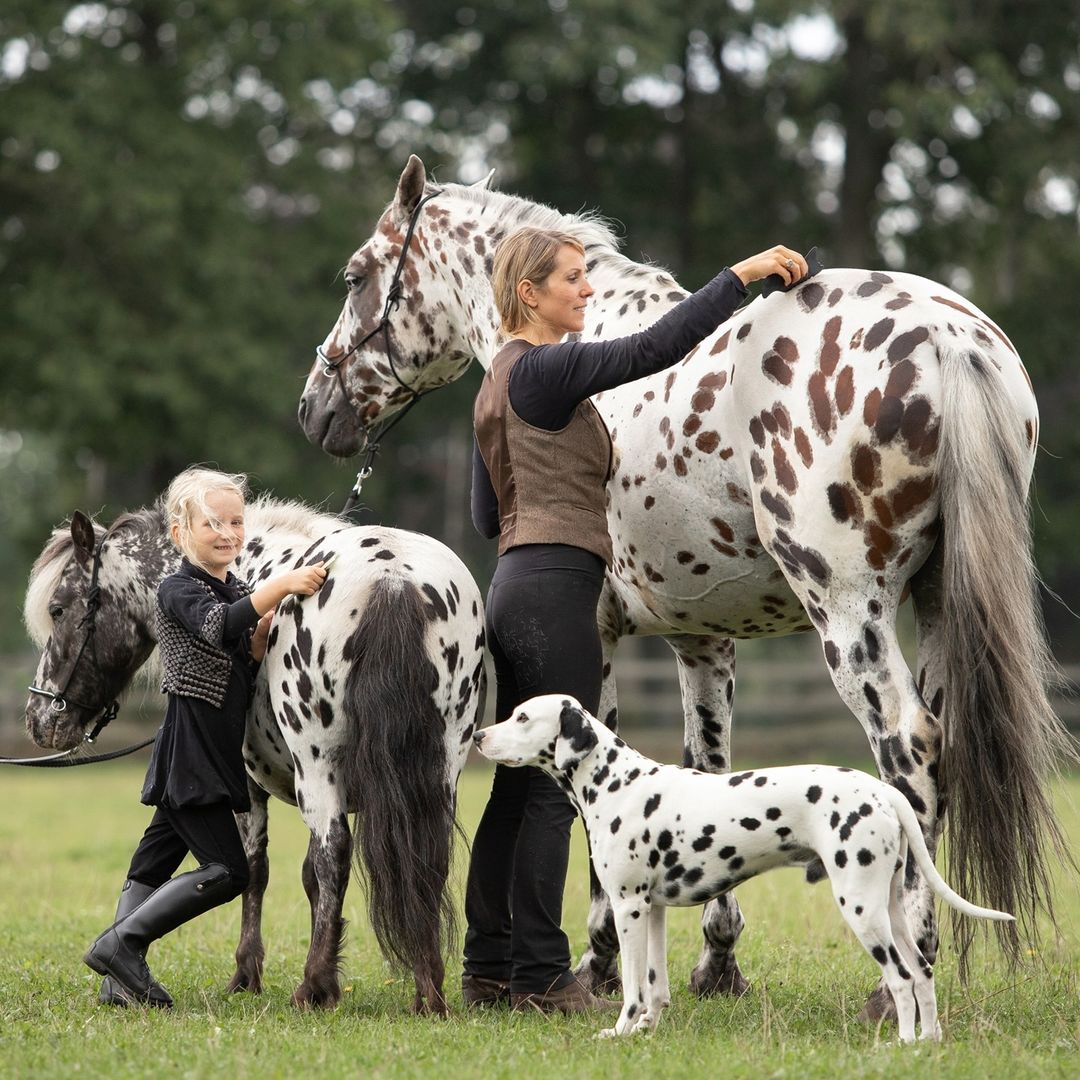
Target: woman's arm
{"points": [[484, 504]]}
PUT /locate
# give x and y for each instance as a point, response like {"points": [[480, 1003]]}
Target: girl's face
{"points": [[561, 299], [216, 538]]}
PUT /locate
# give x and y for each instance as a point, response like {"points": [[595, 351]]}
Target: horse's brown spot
{"points": [[661, 463], [881, 509], [866, 468], [707, 441], [844, 503], [809, 296], [703, 400], [845, 390], [743, 331], [725, 549], [667, 386], [713, 380], [910, 496], [691, 424], [679, 464], [830, 347], [901, 301], [877, 334], [871, 406], [649, 501], [776, 504], [684, 557], [784, 473], [783, 420], [881, 542], [757, 466], [904, 344], [888, 418], [821, 409], [757, 431], [835, 297], [721, 343], [868, 288], [769, 421], [802, 445], [723, 528], [901, 378]]}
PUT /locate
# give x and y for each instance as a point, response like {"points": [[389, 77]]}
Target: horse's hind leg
{"points": [[329, 856], [707, 682], [249, 951]]}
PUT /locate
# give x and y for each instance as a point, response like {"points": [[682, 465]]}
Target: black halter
{"points": [[61, 698], [332, 368]]}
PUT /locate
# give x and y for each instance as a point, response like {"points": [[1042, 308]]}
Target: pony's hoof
{"points": [[879, 1006], [433, 1005], [245, 981], [599, 976]]}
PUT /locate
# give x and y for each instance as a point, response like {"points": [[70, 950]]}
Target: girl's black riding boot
{"points": [[121, 950], [112, 993]]}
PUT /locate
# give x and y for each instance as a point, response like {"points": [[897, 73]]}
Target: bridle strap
{"points": [[334, 367]]}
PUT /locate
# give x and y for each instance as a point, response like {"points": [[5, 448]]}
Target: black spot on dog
{"points": [[650, 805], [615, 823], [813, 793], [841, 859]]}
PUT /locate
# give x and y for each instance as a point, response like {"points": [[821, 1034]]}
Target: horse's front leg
{"points": [[326, 877], [598, 968], [249, 951], [707, 682]]}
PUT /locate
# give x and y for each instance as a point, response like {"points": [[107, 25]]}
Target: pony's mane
{"points": [[266, 512], [596, 233]]}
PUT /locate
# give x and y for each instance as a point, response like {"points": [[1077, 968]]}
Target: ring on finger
{"points": [[790, 264]]}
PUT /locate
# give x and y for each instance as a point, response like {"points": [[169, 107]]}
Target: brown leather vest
{"points": [[550, 484]]}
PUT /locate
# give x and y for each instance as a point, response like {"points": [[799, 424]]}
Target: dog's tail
{"points": [[910, 824]]}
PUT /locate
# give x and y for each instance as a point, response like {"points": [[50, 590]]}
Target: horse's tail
{"points": [[1002, 740], [396, 775]]}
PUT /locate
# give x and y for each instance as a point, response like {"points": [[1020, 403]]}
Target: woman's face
{"points": [[564, 294]]}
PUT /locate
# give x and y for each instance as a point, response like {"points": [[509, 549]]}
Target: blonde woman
{"points": [[196, 777], [539, 472]]}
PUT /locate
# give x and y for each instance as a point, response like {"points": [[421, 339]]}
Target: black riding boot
{"points": [[112, 993], [121, 950]]}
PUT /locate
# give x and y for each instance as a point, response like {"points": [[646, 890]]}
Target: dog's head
{"points": [[552, 731]]}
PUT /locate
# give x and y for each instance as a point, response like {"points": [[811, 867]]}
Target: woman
{"points": [[539, 472]]}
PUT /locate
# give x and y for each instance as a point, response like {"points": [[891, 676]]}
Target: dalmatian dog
{"points": [[665, 836]]}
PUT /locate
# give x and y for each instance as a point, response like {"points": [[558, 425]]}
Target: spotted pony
{"points": [[826, 453], [365, 702]]}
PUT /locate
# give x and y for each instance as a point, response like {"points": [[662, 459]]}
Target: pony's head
{"points": [[395, 338], [89, 609]]}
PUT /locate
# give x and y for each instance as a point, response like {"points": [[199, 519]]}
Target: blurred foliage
{"points": [[180, 183]]}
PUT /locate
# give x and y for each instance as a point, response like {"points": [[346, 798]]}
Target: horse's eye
{"points": [[354, 282], [55, 611]]}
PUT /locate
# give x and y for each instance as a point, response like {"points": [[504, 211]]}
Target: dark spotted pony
{"points": [[828, 452], [365, 702]]}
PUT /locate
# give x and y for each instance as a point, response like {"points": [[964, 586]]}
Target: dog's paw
{"points": [[607, 1033]]}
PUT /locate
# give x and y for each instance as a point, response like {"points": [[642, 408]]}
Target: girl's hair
{"points": [[526, 255], [186, 497]]}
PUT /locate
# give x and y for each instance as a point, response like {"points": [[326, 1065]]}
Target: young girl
{"points": [[196, 776]]}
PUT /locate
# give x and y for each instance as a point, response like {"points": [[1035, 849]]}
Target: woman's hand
{"points": [[260, 635], [305, 581], [785, 261]]}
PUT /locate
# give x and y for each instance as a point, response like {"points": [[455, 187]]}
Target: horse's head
{"points": [[88, 611], [405, 327]]}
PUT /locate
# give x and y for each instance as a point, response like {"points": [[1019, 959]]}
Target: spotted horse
{"points": [[825, 453], [365, 702]]}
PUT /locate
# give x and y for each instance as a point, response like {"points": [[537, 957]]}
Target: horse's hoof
{"points": [[306, 996], [599, 977], [879, 1006], [423, 1006], [707, 980]]}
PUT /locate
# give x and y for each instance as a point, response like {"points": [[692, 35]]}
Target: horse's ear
{"points": [[576, 734], [410, 188], [485, 183], [82, 533]]}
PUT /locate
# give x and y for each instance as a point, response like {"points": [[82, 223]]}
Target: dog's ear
{"points": [[576, 735], [82, 534]]}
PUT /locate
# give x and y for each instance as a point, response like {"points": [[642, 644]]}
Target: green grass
{"points": [[65, 839]]}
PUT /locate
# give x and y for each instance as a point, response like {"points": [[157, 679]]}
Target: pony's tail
{"points": [[1002, 740], [396, 776]]}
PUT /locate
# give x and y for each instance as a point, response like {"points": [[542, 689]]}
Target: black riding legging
{"points": [[541, 628], [208, 832]]}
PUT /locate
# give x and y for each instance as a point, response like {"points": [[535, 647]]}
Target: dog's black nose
{"points": [[478, 738]]}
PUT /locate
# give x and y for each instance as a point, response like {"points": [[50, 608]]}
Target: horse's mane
{"points": [[266, 512], [596, 233]]}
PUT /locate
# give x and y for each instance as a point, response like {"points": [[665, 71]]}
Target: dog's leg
{"points": [[658, 996], [707, 682], [866, 892], [632, 924], [922, 972]]}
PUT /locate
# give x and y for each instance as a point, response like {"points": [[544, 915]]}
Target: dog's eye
{"points": [[522, 717]]}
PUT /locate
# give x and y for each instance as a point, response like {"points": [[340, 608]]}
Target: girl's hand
{"points": [[306, 581], [785, 261], [260, 635]]}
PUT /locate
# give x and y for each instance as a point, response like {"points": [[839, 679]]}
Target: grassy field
{"points": [[65, 839]]}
